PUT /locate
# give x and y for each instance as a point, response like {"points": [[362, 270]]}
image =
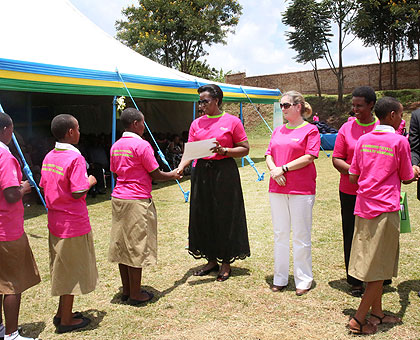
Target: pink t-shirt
{"points": [[63, 173], [288, 144], [345, 142], [132, 159], [227, 129], [11, 214], [400, 129], [382, 160]]}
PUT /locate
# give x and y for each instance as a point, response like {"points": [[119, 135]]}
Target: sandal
{"points": [[361, 330], [381, 319], [356, 291]]}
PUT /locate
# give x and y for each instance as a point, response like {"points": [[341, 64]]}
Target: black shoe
{"points": [[221, 278], [71, 328], [76, 315], [202, 272], [387, 282], [134, 302]]}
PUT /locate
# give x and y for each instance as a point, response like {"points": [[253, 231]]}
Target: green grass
{"points": [[243, 307]]}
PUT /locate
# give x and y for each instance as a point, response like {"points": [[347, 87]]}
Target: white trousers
{"points": [[292, 211]]}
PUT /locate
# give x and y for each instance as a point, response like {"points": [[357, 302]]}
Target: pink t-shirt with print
{"points": [[382, 160], [345, 142], [288, 144], [132, 159], [11, 214], [63, 173], [227, 129]]}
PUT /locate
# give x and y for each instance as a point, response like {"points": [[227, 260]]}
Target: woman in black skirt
{"points": [[217, 227]]}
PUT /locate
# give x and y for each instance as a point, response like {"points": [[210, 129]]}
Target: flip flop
{"points": [[381, 319], [134, 302]]}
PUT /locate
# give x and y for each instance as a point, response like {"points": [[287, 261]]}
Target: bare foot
{"points": [[390, 319]]}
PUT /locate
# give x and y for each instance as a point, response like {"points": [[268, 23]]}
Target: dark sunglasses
{"points": [[204, 101], [286, 105]]}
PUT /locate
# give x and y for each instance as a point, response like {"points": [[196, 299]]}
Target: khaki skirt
{"points": [[375, 248], [18, 270], [72, 265], [133, 233]]}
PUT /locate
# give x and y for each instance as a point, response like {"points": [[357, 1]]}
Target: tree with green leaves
{"points": [[175, 32], [342, 14], [311, 31], [372, 25], [407, 13]]}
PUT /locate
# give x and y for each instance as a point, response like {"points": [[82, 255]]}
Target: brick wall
{"points": [[368, 75]]}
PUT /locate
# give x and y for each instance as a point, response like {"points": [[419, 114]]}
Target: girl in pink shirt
{"points": [[65, 183], [133, 243], [381, 161], [290, 158], [364, 98], [18, 270]]}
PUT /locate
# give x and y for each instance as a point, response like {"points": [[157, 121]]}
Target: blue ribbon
{"points": [[160, 153]]}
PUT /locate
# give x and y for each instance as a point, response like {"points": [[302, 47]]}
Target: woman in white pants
{"points": [[290, 159]]}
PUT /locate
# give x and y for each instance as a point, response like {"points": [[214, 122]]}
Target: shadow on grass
{"points": [[290, 283], [32, 329], [96, 317], [343, 286], [158, 294], [404, 289]]}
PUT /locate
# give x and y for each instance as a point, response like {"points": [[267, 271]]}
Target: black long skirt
{"points": [[217, 228]]}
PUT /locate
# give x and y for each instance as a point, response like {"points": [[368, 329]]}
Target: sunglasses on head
{"points": [[204, 101], [286, 105]]}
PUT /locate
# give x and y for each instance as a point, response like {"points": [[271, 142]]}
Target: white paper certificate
{"points": [[200, 149]]}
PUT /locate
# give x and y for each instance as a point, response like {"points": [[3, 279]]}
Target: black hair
{"points": [[214, 91], [366, 92], [129, 115], [61, 124], [385, 106], [5, 120]]}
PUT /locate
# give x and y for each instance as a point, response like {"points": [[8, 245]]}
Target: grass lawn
{"points": [[243, 307]]}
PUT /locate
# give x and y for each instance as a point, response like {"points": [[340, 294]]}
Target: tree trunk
{"points": [[340, 75], [394, 62], [317, 80], [381, 54], [391, 83], [418, 58]]}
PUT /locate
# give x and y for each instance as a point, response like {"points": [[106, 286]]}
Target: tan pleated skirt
{"points": [[72, 265], [18, 270], [375, 248], [133, 233]]}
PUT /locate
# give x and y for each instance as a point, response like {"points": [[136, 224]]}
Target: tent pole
{"points": [[242, 120], [114, 132], [194, 112]]}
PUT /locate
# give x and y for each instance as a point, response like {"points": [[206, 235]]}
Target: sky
{"points": [[257, 47]]}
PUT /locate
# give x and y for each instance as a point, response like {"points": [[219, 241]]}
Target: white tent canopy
{"points": [[49, 46]]}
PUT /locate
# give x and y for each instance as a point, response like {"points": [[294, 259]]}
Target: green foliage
{"points": [[311, 29], [203, 70], [174, 32]]}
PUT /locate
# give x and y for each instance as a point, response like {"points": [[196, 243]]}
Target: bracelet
{"points": [[224, 153], [285, 168]]}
